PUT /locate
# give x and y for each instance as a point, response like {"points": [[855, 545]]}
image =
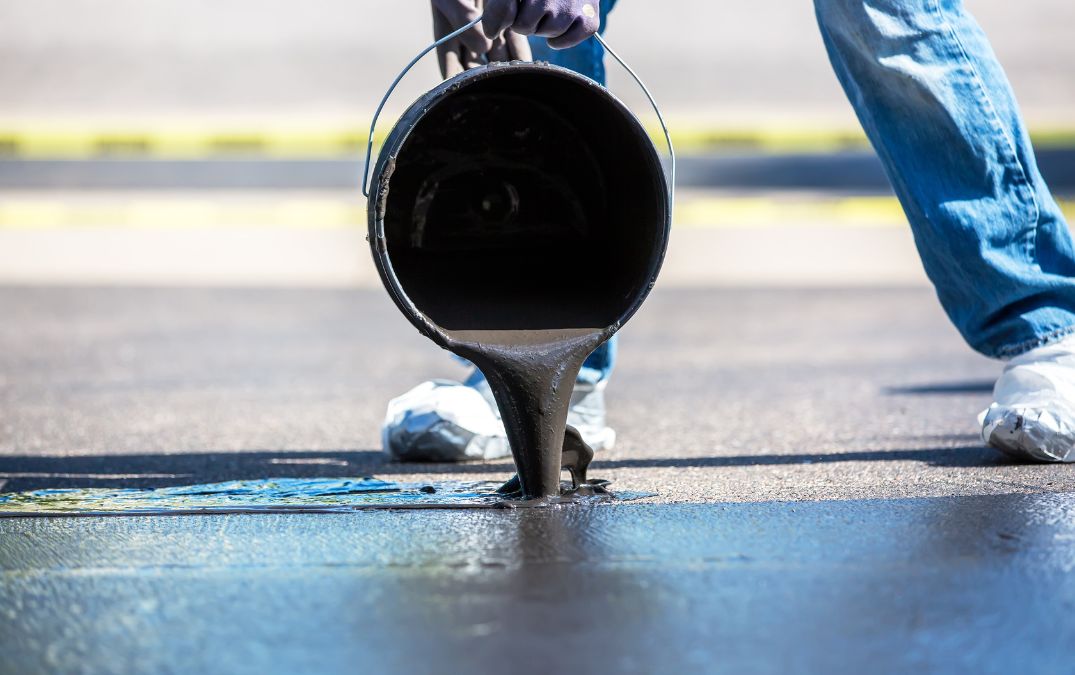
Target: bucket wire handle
{"points": [[388, 94], [475, 22], [660, 119]]}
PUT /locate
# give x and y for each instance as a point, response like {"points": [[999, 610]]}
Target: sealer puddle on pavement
{"points": [[272, 495]]}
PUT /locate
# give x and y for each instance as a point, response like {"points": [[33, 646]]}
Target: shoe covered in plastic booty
{"points": [[1033, 414], [448, 421]]}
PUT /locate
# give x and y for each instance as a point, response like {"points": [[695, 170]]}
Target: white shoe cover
{"points": [[447, 421], [442, 421], [1033, 414]]}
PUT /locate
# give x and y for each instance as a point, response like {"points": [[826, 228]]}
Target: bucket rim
{"points": [[419, 109]]}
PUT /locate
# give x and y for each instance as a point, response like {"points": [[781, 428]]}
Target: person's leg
{"points": [[938, 109]]}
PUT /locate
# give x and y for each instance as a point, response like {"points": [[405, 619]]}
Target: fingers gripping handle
{"points": [[475, 22], [391, 89]]}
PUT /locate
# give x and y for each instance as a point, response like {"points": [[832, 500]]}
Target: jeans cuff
{"points": [[1011, 351]]}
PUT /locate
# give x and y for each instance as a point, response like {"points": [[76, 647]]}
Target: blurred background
{"points": [[220, 143]]}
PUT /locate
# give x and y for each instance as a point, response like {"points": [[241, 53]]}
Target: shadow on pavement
{"points": [[945, 389], [152, 471], [21, 473], [945, 457]]}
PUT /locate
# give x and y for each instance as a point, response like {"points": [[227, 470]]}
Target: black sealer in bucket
{"points": [[519, 216]]}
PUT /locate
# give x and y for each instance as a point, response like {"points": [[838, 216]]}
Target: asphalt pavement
{"points": [[819, 498], [856, 171], [953, 585], [721, 395]]}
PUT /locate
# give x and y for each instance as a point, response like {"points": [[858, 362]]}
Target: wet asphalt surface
{"points": [[975, 584], [821, 501]]}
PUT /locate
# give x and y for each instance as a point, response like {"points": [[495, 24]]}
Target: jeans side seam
{"points": [[1012, 160]]}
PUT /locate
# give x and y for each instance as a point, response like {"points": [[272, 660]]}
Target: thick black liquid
{"points": [[532, 374]]}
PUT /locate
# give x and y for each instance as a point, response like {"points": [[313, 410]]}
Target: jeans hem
{"points": [[1011, 351]]}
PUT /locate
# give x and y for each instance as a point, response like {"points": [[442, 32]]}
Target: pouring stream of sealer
{"points": [[519, 216]]}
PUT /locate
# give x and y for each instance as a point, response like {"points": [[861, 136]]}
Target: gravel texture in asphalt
{"points": [[720, 395], [822, 501]]}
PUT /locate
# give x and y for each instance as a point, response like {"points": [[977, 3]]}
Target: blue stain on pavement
{"points": [[271, 495]]}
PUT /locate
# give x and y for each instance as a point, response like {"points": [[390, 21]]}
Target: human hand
{"points": [[565, 23], [473, 47]]}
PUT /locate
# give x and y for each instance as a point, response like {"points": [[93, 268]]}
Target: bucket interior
{"points": [[525, 199]]}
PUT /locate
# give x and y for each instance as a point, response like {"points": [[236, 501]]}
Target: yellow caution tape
{"points": [[66, 144], [181, 143]]}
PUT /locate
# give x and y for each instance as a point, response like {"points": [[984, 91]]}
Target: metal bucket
{"points": [[523, 199], [519, 196]]}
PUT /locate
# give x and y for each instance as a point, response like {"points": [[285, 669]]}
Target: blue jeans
{"points": [[940, 113]]}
